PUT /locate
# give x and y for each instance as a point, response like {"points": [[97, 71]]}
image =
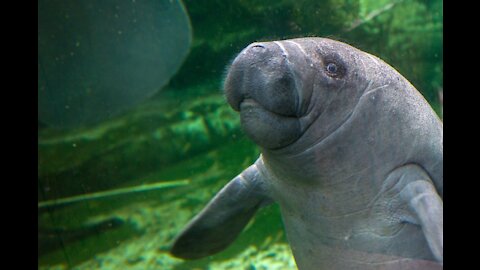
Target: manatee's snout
{"points": [[260, 73], [261, 86]]}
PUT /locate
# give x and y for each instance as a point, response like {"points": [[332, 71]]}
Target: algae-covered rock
{"points": [[157, 134], [155, 217]]}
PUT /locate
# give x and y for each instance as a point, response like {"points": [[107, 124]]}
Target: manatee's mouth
{"points": [[268, 129], [249, 106], [248, 103]]}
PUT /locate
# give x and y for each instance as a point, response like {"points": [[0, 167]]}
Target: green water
{"points": [[188, 132]]}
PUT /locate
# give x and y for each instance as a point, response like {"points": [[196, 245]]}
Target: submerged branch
{"points": [[113, 192], [370, 16]]}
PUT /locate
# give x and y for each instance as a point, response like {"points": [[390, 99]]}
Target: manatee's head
{"points": [[293, 90]]}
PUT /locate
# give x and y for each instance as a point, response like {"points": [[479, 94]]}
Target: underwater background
{"points": [[115, 191]]}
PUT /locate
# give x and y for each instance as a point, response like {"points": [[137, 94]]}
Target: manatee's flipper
{"points": [[425, 205], [222, 220]]}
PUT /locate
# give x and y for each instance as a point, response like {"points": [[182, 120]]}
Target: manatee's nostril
{"points": [[258, 46], [255, 49]]}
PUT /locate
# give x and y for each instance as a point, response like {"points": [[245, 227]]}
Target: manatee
{"points": [[350, 150], [99, 59]]}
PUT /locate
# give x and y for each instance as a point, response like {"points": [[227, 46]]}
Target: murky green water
{"points": [[187, 134]]}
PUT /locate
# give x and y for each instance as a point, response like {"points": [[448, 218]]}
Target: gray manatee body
{"points": [[351, 152]]}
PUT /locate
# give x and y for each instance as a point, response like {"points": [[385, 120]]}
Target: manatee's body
{"points": [[351, 152]]}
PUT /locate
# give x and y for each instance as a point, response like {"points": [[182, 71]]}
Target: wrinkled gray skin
{"points": [[351, 152]]}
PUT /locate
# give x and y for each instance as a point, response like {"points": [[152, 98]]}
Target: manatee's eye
{"points": [[333, 64], [332, 68]]}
